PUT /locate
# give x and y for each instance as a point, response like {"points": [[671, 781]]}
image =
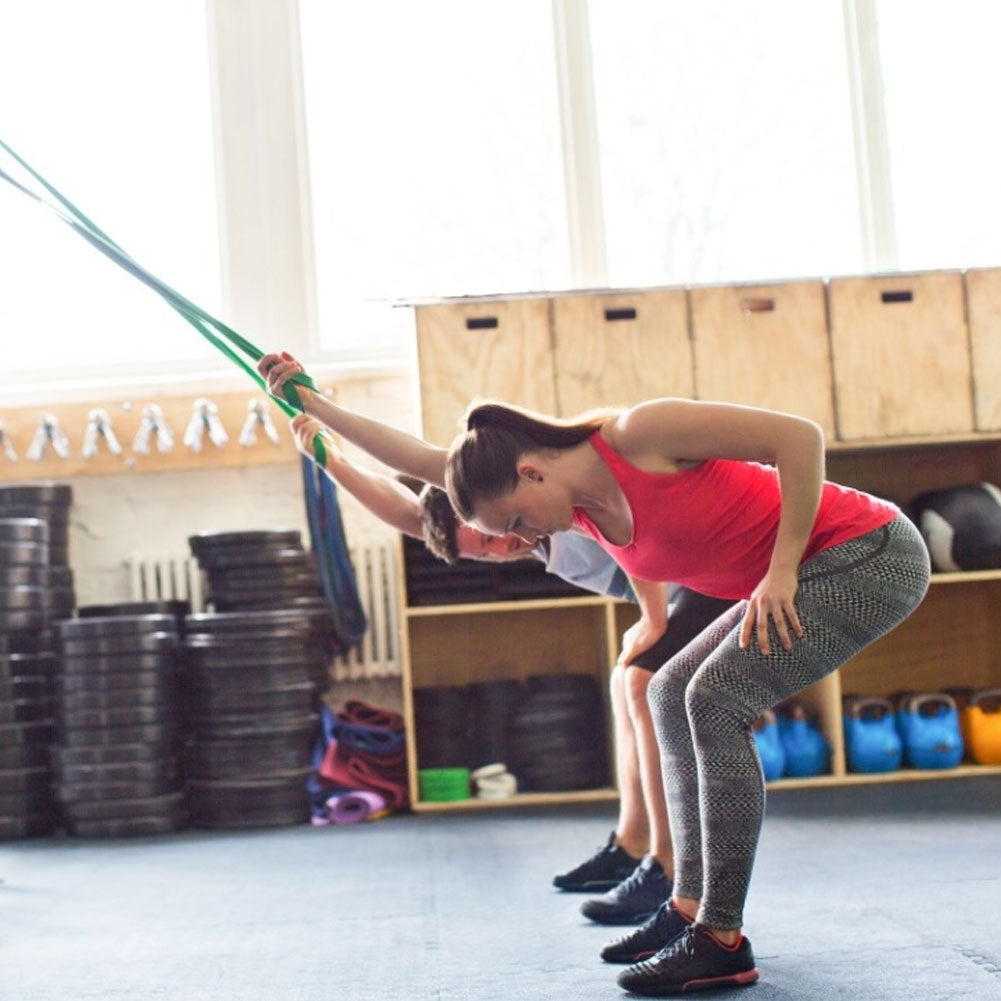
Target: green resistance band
{"points": [[213, 330]]}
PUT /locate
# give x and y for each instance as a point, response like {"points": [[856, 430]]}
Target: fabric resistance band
{"points": [[213, 330]]}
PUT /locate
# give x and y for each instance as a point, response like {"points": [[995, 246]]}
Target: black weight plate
{"points": [[132, 827], [227, 557], [116, 754], [24, 553], [116, 625], [245, 537], [118, 771], [25, 686], [127, 716], [26, 734], [281, 793], [23, 621], [59, 556], [224, 707], [248, 643], [16, 665], [59, 534], [177, 609], [151, 733], [259, 729], [120, 698], [128, 665], [99, 792], [161, 679], [25, 576], [38, 799], [229, 760], [20, 779], [100, 646], [25, 710], [244, 622], [32, 641], [37, 492], [124, 809], [37, 825], [272, 675], [24, 756], [17, 599], [24, 530]]}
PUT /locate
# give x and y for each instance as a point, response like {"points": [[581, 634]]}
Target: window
{"points": [[725, 140], [434, 154], [940, 75], [108, 100]]}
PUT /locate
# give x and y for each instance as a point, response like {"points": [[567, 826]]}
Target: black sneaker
{"points": [[634, 900], [694, 961], [660, 931], [603, 871]]}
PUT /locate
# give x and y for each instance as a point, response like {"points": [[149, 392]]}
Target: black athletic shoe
{"points": [[660, 931], [634, 900], [694, 961], [603, 871]]}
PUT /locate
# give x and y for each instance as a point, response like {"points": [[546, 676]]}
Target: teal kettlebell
{"points": [[931, 734], [872, 743], [807, 751], [769, 744]]}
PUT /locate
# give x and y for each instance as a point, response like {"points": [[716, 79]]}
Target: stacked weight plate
{"points": [[257, 570], [115, 761], [557, 735], [250, 684], [36, 589]]}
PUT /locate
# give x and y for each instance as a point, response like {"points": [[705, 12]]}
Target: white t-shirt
{"points": [[581, 561]]}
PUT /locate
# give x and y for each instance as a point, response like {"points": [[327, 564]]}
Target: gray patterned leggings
{"points": [[705, 699]]}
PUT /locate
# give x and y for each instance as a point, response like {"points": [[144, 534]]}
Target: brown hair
{"points": [[439, 523], [482, 462]]}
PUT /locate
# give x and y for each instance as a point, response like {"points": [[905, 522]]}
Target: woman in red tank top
{"points": [[730, 501]]}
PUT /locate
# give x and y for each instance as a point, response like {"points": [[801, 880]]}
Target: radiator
{"points": [[162, 577]]}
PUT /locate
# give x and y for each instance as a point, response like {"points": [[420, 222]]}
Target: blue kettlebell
{"points": [[872, 742], [902, 718], [932, 737], [806, 749], [770, 751]]}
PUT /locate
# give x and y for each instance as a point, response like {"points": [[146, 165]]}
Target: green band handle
{"points": [[213, 330]]}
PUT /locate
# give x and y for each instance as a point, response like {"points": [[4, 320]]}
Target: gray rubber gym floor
{"points": [[879, 892]]}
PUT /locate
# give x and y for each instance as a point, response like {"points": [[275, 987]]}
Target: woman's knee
{"points": [[665, 692], [635, 684]]}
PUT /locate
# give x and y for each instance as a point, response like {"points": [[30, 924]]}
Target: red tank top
{"points": [[712, 527]]}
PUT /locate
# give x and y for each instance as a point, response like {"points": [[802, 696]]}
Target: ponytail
{"points": [[482, 462]]}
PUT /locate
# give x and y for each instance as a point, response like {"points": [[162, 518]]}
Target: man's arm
{"points": [[396, 449]]}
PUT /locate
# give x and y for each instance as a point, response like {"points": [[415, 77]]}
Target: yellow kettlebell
{"points": [[982, 717]]}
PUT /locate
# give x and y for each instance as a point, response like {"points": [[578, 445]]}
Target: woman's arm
{"points": [[664, 434], [395, 448], [641, 635], [388, 500]]}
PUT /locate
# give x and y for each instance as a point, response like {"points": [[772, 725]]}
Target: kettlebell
{"points": [[983, 725], [931, 733], [872, 742], [766, 737], [806, 749], [962, 698]]}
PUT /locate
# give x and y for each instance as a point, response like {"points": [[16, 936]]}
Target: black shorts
{"points": [[690, 613]]}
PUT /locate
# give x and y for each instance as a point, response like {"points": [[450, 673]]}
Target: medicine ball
{"points": [[962, 526]]}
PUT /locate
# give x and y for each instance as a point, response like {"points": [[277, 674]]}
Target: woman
{"points": [[677, 490], [636, 865]]}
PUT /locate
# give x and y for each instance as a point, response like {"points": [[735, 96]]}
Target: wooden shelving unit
{"points": [[900, 371]]}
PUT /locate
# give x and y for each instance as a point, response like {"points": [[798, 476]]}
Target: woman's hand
{"points": [[640, 637], [304, 430], [277, 369], [773, 598]]}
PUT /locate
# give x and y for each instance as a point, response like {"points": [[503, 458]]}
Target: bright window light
{"points": [[434, 155], [109, 100], [725, 137]]}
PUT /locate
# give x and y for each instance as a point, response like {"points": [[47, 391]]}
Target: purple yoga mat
{"points": [[350, 807]]}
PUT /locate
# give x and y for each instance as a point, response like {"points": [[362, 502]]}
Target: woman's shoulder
{"points": [[640, 433]]}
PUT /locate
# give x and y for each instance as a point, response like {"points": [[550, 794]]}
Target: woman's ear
{"points": [[528, 470]]}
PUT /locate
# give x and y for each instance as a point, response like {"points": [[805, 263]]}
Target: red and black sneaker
{"points": [[660, 931], [694, 961], [603, 871]]}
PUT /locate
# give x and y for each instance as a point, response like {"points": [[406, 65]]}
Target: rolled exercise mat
{"points": [[352, 807]]}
